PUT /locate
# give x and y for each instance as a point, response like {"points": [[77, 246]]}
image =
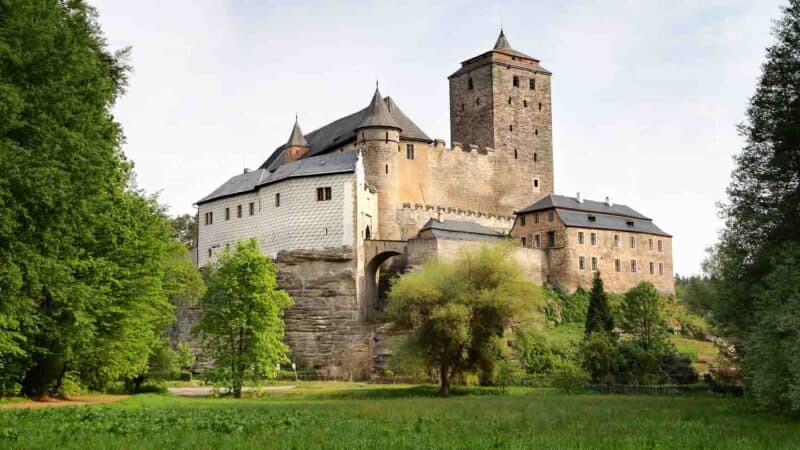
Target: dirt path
{"points": [[56, 402]]}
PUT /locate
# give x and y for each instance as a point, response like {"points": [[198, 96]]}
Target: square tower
{"points": [[501, 99]]}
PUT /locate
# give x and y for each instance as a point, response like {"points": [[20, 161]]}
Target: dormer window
{"points": [[630, 223], [592, 218]]}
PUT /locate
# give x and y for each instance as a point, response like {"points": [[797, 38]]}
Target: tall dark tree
{"points": [[763, 216], [84, 256], [598, 316]]}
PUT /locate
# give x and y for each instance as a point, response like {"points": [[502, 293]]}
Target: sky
{"points": [[646, 95]]}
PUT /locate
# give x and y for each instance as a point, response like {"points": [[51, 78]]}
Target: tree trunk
{"points": [[444, 379]]}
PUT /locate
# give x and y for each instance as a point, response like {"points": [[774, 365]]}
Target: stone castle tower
{"points": [[501, 99]]}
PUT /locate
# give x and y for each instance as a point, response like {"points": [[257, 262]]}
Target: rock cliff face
{"points": [[325, 328]]}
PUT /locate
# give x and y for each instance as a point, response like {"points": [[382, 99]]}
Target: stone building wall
{"points": [[299, 222]]}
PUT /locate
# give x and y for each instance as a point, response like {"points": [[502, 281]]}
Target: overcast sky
{"points": [[646, 95]]}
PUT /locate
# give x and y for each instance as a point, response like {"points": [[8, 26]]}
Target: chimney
{"points": [[608, 201], [246, 170], [578, 197]]}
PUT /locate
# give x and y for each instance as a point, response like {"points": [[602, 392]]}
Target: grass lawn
{"points": [[346, 416]]}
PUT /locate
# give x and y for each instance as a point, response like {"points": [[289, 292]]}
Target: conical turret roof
{"points": [[502, 42], [377, 114], [296, 139]]}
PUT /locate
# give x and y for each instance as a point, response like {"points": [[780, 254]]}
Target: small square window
{"points": [[515, 81], [323, 194], [533, 84]]}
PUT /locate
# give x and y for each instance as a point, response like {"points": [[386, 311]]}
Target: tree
{"points": [[456, 311], [598, 316], [641, 316], [82, 251], [761, 214], [185, 229], [241, 325]]}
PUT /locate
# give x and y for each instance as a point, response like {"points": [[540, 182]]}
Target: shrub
{"points": [[539, 353], [679, 369], [569, 377], [600, 357], [185, 376]]}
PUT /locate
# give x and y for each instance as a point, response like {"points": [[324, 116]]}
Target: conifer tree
{"points": [[598, 317]]}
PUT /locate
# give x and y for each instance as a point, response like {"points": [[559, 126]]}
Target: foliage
{"points": [[641, 317], [567, 308], [84, 256], [539, 353], [569, 377], [682, 320], [362, 416], [598, 316], [455, 311], [697, 293], [756, 300], [184, 356], [184, 228], [241, 325], [601, 358]]}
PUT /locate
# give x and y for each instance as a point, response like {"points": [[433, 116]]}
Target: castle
{"points": [[347, 206]]}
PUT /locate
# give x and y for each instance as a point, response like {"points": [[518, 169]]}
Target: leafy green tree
{"points": [[455, 311], [641, 316], [762, 215], [598, 316], [185, 357], [241, 325], [185, 229]]}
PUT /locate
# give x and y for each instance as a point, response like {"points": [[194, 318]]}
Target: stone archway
{"points": [[374, 285]]}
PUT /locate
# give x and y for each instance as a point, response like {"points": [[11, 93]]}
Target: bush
{"points": [[185, 376], [679, 369], [539, 353], [151, 388], [600, 357], [569, 377]]}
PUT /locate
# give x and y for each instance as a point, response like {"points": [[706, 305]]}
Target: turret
{"points": [[296, 147], [378, 141]]}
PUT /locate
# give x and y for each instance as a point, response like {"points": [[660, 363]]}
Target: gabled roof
{"points": [[460, 230], [331, 163], [377, 114], [296, 139], [565, 202], [343, 131]]}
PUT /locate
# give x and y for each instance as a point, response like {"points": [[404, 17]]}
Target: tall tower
{"points": [[378, 141], [501, 99], [296, 146]]}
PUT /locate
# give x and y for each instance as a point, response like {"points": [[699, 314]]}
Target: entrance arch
{"points": [[383, 259]]}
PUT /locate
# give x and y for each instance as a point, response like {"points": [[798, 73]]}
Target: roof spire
{"points": [[296, 139], [502, 42], [377, 113]]}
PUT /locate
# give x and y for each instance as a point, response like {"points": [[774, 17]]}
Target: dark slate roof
{"points": [[502, 46], [564, 202], [331, 163], [378, 115], [296, 139], [342, 131], [580, 219], [461, 230]]}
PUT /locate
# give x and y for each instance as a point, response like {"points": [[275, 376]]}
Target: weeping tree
{"points": [[757, 302], [455, 312]]}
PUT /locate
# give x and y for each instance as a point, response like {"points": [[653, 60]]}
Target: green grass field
{"points": [[346, 416]]}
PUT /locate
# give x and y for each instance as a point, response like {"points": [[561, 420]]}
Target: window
{"points": [[633, 242], [469, 83], [594, 263], [652, 268], [323, 194], [535, 183], [509, 100], [550, 215], [540, 106], [650, 244], [536, 132], [238, 211], [580, 237], [209, 217], [660, 247], [252, 208], [386, 139], [522, 240], [661, 268], [592, 218], [616, 240], [516, 81], [525, 103], [478, 101], [409, 151], [582, 263], [386, 169], [522, 220], [533, 84], [462, 106], [593, 238], [535, 157], [617, 267], [551, 238], [277, 200], [227, 214], [511, 128], [515, 154], [209, 253], [536, 242], [535, 217], [633, 266]]}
